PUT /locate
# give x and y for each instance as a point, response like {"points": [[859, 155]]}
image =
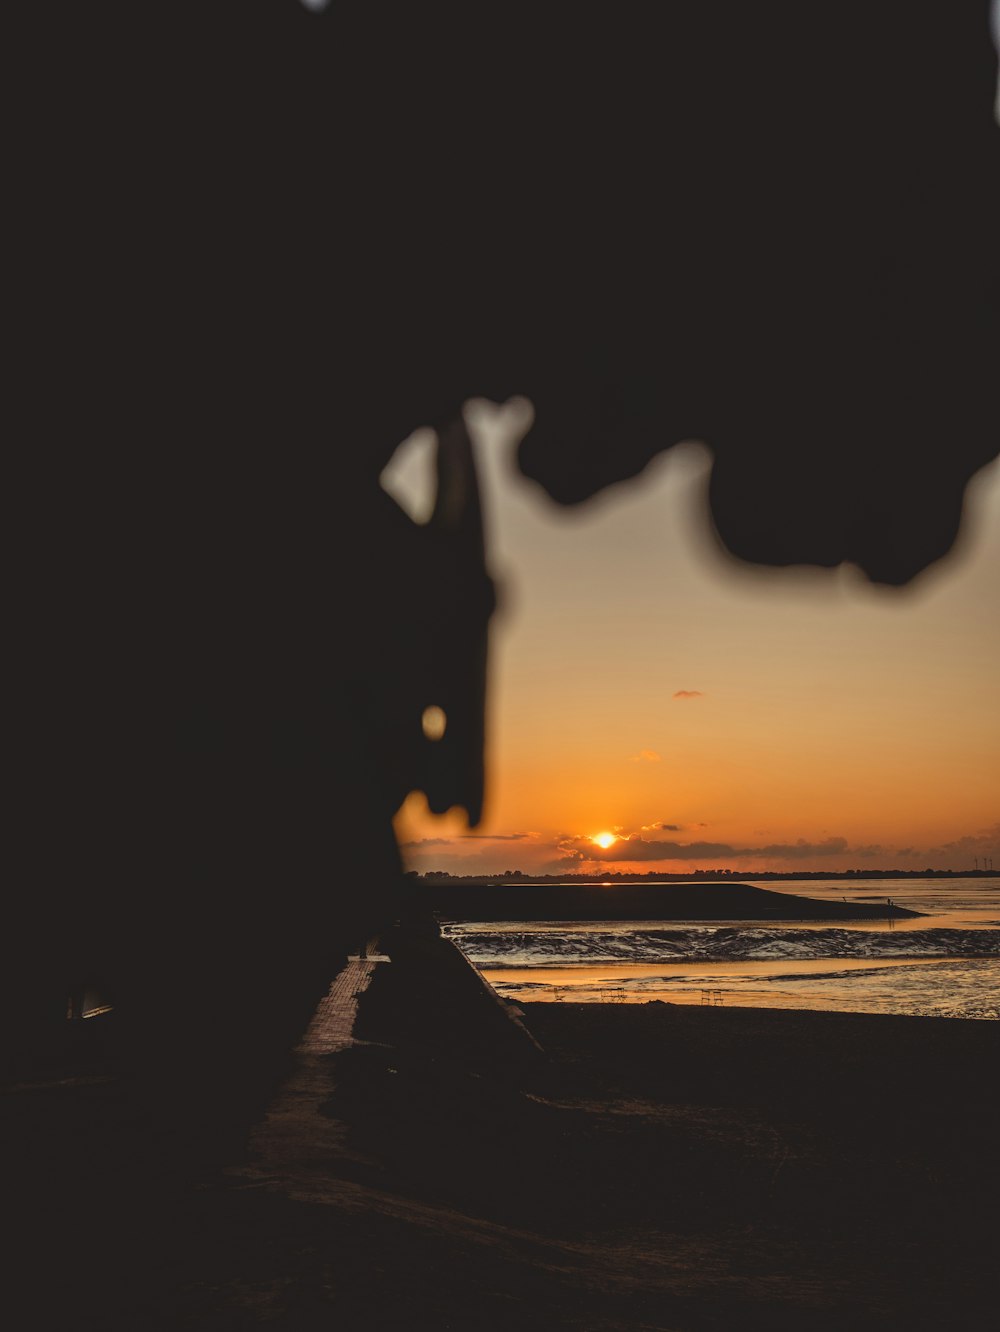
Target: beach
{"points": [[923, 947], [650, 1166]]}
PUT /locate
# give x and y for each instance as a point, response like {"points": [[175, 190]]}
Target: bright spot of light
{"points": [[604, 840], [434, 722]]}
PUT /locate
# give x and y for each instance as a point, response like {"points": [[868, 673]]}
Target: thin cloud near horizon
{"points": [[493, 837], [689, 693], [639, 848]]}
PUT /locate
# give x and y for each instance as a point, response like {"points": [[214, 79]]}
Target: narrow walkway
{"points": [[332, 1024], [295, 1136]]}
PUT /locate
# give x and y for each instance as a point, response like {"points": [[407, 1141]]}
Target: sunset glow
{"points": [[718, 717]]}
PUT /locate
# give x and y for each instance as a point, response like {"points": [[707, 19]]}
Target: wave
{"points": [[501, 948]]}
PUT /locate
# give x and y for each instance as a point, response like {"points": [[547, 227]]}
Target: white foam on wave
{"points": [[705, 943]]}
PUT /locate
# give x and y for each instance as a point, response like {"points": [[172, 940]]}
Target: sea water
{"points": [[944, 963]]}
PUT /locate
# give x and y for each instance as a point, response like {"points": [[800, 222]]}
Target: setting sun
{"points": [[698, 760]]}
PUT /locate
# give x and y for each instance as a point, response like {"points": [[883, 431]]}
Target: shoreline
{"points": [[652, 1166], [638, 983]]}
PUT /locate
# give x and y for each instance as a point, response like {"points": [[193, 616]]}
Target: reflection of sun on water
{"points": [[604, 840]]}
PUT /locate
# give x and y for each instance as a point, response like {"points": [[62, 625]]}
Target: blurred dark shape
{"points": [[256, 247], [806, 276], [433, 649]]}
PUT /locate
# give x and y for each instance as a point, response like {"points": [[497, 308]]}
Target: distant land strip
{"points": [[702, 876], [642, 901]]}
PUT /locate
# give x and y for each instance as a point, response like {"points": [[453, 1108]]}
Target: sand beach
{"points": [[643, 1166]]}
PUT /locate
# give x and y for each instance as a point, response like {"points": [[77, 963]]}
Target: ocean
{"points": [[945, 963]]}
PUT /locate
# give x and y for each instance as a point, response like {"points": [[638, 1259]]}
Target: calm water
{"points": [[945, 964]]}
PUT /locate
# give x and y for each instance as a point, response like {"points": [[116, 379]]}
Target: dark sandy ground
{"points": [[659, 1167]]}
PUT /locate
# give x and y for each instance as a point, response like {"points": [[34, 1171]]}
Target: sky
{"points": [[707, 714]]}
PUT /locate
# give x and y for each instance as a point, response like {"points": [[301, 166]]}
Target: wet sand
{"points": [[658, 1167], [682, 982]]}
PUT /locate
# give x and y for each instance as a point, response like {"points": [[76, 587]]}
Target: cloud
{"points": [[646, 756], [963, 851], [571, 864], [803, 850], [672, 827], [493, 837], [832, 846], [982, 841], [689, 693], [645, 848], [640, 848]]}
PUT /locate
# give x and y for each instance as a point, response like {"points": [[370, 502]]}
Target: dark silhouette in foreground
{"points": [[256, 247], [724, 222]]}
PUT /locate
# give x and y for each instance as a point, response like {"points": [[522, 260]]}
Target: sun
{"points": [[604, 840]]}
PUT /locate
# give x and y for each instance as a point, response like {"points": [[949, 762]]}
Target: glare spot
{"points": [[604, 840], [434, 721]]}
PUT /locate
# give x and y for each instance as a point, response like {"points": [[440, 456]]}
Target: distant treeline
{"points": [[700, 875]]}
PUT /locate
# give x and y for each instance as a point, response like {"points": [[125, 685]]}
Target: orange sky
{"points": [[712, 715]]}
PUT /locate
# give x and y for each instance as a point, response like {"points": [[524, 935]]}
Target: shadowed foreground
{"points": [[658, 1167]]}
